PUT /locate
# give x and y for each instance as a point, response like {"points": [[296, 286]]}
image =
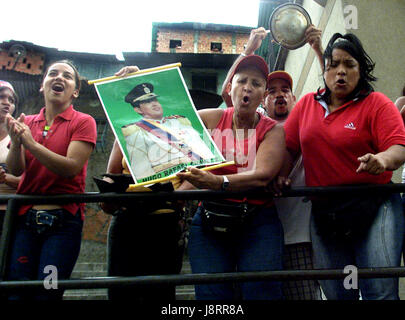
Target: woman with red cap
{"points": [[239, 235]]}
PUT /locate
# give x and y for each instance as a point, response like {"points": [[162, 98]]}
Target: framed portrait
{"points": [[156, 124]]}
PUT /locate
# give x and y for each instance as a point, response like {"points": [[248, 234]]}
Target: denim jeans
{"points": [[380, 247], [32, 251], [257, 247]]}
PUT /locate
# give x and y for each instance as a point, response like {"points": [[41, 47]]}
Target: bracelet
{"points": [[243, 54]]}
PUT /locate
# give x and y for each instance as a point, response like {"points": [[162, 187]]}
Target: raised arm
{"points": [[313, 37], [255, 41]]}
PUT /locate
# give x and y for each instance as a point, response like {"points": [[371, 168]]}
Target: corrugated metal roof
{"points": [[24, 84]]}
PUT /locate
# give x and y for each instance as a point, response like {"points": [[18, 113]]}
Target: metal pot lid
{"points": [[288, 23]]}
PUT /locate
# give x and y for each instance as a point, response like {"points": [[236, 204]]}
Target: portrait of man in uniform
{"points": [[156, 142]]}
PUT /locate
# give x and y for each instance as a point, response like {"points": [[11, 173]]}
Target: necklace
{"points": [[45, 131], [46, 126]]}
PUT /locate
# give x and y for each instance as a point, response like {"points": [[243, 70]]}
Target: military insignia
{"points": [[146, 89], [130, 129]]}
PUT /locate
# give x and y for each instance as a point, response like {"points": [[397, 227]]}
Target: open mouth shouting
{"points": [[280, 101], [58, 87], [245, 100], [341, 83]]}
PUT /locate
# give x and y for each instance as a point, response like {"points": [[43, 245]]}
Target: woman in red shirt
{"points": [[350, 135], [50, 150]]}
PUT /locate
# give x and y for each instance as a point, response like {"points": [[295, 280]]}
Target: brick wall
{"points": [[205, 38], [32, 63], [165, 35]]}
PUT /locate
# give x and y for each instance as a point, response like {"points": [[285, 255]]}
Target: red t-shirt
{"points": [[331, 145], [68, 126], [244, 151]]}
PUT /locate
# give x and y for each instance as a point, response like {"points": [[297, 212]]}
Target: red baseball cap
{"points": [[5, 84], [255, 61], [280, 75]]}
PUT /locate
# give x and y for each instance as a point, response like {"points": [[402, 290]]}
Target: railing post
{"points": [[8, 228]]}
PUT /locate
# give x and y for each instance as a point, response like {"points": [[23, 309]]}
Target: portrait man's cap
{"points": [[280, 75], [142, 92], [255, 61]]}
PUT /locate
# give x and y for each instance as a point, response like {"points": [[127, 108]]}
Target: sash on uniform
{"points": [[163, 134]]}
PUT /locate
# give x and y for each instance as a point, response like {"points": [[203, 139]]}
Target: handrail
{"points": [[202, 194], [102, 282], [198, 278]]}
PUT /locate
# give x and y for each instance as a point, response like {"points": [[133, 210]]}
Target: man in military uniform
{"points": [[156, 143]]}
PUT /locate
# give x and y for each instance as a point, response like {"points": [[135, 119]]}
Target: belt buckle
{"points": [[37, 216]]}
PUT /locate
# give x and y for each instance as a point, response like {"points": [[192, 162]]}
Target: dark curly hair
{"points": [[352, 45]]}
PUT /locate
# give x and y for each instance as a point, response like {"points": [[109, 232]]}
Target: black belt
{"points": [[50, 218], [229, 206]]}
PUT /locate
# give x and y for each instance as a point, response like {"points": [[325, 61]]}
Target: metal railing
{"points": [[14, 201]]}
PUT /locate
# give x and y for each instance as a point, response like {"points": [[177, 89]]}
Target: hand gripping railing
{"points": [[14, 201]]}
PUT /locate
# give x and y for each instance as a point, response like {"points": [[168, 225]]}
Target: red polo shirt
{"points": [[331, 145], [68, 126]]}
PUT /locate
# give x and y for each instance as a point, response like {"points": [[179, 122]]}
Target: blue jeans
{"points": [[380, 247], [34, 247], [258, 247]]}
